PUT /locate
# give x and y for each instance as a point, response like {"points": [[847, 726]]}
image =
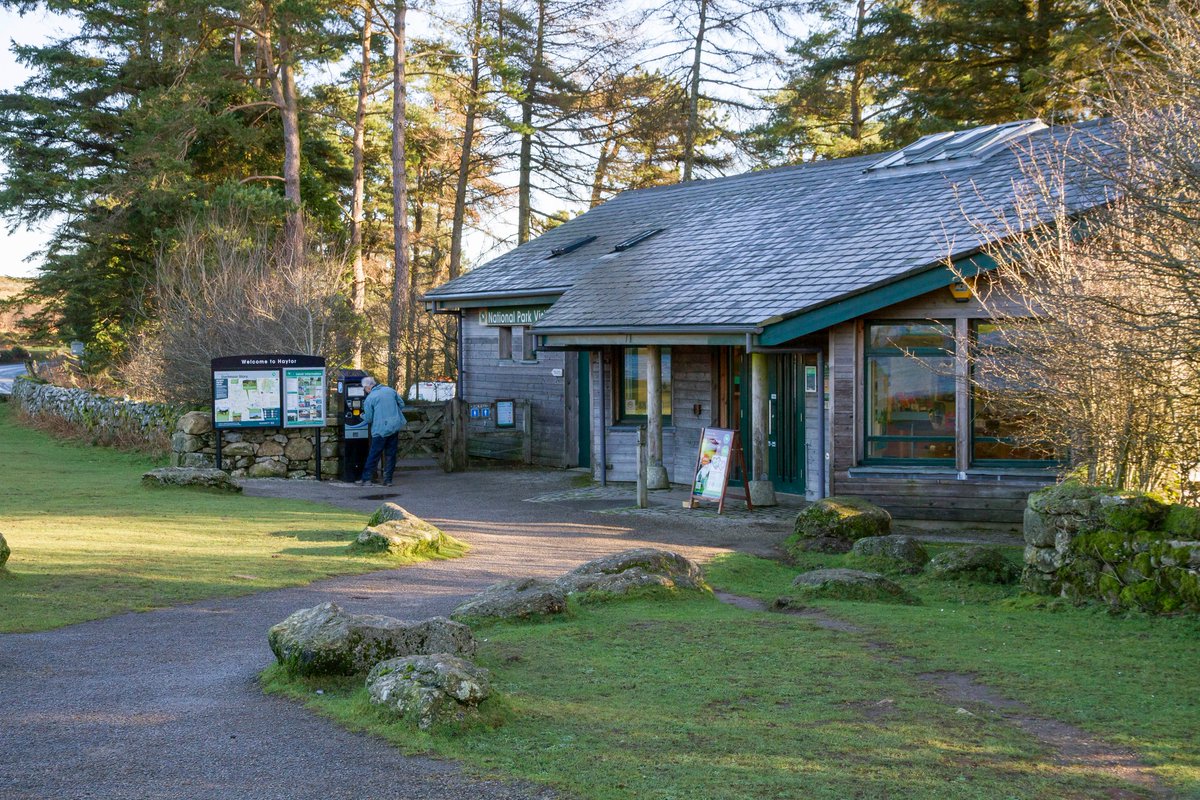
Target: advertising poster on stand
{"points": [[712, 465]]}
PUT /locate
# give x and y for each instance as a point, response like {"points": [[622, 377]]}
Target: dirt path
{"points": [[165, 704], [1070, 746]]}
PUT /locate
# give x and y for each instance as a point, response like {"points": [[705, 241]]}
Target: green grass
{"points": [[89, 541], [1130, 679], [696, 699]]}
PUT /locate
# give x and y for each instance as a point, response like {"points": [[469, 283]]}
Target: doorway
{"points": [[785, 434]]}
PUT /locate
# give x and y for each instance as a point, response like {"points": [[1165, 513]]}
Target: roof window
{"points": [[967, 147], [570, 248], [637, 239]]}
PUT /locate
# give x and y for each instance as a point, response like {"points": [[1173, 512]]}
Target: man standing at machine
{"points": [[383, 411]]}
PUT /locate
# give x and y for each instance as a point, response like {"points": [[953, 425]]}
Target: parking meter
{"points": [[353, 431]]}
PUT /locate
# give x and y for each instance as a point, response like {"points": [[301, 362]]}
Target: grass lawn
{"points": [[89, 541], [696, 699]]}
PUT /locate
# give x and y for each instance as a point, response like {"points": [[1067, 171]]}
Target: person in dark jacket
{"points": [[383, 411]]}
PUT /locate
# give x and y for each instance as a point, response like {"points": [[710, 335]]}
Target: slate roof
{"points": [[750, 249]]}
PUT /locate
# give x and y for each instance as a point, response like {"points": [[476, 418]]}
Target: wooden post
{"points": [[962, 397], [761, 488], [317, 451], [527, 431], [454, 436], [643, 495], [656, 473]]}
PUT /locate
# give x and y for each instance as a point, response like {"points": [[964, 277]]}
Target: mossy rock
{"points": [[326, 640], [975, 562], [5, 551], [394, 531], [889, 554], [1094, 508], [844, 584], [843, 517], [1182, 522]]}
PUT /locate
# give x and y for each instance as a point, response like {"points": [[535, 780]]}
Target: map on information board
{"points": [[303, 397], [246, 399]]}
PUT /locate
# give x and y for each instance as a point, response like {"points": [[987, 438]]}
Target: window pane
{"points": [[911, 403], [910, 336], [634, 379], [1000, 419], [633, 386]]}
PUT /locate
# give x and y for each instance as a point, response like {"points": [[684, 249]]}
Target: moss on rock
{"points": [[845, 517]]}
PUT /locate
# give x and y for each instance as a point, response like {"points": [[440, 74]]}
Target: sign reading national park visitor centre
{"points": [[268, 391], [514, 315]]}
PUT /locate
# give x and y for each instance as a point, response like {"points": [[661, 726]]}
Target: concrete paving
{"points": [[165, 704]]}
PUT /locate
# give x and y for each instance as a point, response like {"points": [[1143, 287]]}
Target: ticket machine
{"points": [[354, 435]]}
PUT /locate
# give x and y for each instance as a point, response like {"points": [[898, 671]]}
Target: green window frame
{"points": [[631, 384], [909, 392], [986, 437]]}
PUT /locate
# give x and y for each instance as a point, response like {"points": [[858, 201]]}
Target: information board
{"points": [[304, 397], [246, 399], [506, 415], [268, 391]]}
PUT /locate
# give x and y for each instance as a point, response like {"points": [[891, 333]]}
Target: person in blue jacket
{"points": [[383, 411]]}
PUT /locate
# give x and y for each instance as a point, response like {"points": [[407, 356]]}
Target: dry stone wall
{"points": [[1125, 548], [253, 452], [94, 413]]}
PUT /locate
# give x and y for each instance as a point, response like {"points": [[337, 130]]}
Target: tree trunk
{"points": [[464, 156], [608, 151], [400, 267], [290, 111], [693, 121], [856, 84], [282, 81], [359, 289], [524, 208]]}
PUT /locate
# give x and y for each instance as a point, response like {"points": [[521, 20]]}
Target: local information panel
{"points": [[303, 397]]}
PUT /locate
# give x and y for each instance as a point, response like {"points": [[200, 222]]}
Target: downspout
{"points": [[458, 389]]}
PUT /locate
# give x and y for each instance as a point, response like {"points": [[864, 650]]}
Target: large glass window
{"points": [[1000, 423], [910, 400], [634, 371]]}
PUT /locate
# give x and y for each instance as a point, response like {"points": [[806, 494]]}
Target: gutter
{"points": [[433, 298], [619, 330]]}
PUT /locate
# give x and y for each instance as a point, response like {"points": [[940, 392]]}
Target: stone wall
{"points": [[1125, 548], [253, 452], [101, 416]]}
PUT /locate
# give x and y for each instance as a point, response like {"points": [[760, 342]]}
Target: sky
{"points": [[17, 246], [33, 28]]}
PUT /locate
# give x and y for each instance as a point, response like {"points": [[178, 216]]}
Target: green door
{"points": [[785, 436], [585, 409]]}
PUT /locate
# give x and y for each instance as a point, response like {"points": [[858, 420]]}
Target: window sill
{"points": [[633, 426], [1015, 472]]}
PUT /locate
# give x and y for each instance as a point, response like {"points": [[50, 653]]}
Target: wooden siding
{"points": [[487, 377], [691, 386]]}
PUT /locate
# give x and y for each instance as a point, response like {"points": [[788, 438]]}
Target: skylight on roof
{"points": [[968, 146], [637, 239], [570, 248]]}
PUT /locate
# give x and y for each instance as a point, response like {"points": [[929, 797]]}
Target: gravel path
{"points": [[165, 704]]}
